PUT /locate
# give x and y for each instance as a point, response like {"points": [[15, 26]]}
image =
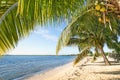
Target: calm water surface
{"points": [[16, 67]]}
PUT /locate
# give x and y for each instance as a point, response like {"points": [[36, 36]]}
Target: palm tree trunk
{"points": [[97, 52], [118, 1], [104, 57]]}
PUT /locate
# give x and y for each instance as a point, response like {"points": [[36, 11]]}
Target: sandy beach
{"points": [[84, 70]]}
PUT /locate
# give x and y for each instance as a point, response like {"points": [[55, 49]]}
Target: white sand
{"points": [[88, 71], [52, 74]]}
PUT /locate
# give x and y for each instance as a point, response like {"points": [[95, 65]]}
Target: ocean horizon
{"points": [[16, 67]]}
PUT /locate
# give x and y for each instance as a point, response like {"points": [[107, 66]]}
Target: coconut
{"points": [[97, 7], [102, 3], [107, 19], [100, 19], [96, 2], [102, 9]]}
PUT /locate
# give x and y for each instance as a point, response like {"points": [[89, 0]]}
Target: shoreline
{"points": [[84, 70], [42, 75], [43, 72], [21, 67], [55, 73]]}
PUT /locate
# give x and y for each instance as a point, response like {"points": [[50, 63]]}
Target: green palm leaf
{"points": [[19, 17], [48, 10], [81, 55], [13, 28], [5, 5]]}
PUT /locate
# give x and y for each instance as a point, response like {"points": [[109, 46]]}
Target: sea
{"points": [[19, 67]]}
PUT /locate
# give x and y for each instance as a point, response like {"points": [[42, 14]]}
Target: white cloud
{"points": [[46, 34]]}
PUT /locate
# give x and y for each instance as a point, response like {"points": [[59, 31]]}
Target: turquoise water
{"points": [[16, 67]]}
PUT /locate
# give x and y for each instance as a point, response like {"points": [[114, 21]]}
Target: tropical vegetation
{"points": [[102, 27], [88, 36], [19, 17]]}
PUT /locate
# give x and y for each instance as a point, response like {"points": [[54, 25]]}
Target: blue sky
{"points": [[43, 41]]}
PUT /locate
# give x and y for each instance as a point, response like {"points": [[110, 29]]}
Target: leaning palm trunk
{"points": [[118, 1], [104, 57], [95, 55]]}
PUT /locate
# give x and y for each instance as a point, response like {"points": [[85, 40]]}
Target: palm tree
{"points": [[19, 17], [88, 35]]}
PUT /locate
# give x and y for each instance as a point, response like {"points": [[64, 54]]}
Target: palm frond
{"points": [[74, 41], [19, 17], [63, 40], [5, 5], [48, 10], [82, 54], [114, 45], [13, 28], [77, 25]]}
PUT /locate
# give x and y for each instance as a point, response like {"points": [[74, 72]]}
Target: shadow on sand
{"points": [[114, 79], [101, 63], [109, 72]]}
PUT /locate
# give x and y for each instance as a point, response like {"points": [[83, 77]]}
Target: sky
{"points": [[43, 41]]}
